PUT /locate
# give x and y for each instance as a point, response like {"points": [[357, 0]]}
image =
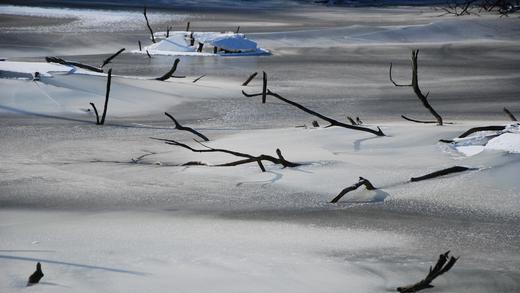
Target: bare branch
{"points": [[148, 53], [169, 73], [250, 78], [442, 266], [198, 78], [95, 112], [148, 25], [482, 128], [73, 63], [362, 181], [510, 115], [106, 61], [109, 81], [178, 126], [455, 169], [392, 80]]}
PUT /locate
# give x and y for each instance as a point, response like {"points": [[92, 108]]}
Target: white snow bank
{"points": [[228, 41], [507, 140], [176, 42], [24, 69]]}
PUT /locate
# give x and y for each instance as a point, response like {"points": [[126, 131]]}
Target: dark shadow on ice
{"points": [[357, 143], [72, 264]]}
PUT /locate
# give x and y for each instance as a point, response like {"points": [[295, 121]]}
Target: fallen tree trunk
{"points": [[73, 63], [106, 61], [169, 73], [455, 169], [107, 94], [415, 85], [332, 122], [178, 126], [148, 25], [362, 181], [250, 78], [280, 160], [510, 115], [442, 266]]}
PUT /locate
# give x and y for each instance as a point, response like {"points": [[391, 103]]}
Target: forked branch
{"points": [[247, 158], [178, 126], [362, 181], [171, 72], [415, 85], [444, 264], [332, 122]]}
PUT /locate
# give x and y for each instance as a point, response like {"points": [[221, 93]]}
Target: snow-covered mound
{"points": [[203, 44], [507, 140], [10, 69]]}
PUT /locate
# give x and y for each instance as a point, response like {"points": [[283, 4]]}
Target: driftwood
{"points": [[250, 78], [332, 122], [178, 126], [106, 61], [442, 266], [102, 120], [148, 25], [36, 276], [198, 78], [415, 85], [362, 181], [170, 73], [280, 160], [73, 63], [510, 115], [455, 169]]}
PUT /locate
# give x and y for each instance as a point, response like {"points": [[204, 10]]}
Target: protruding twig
{"points": [[510, 115], [362, 181], [442, 266], [415, 85], [264, 88], [178, 126], [36, 276], [250, 78], [148, 53], [482, 128], [73, 63], [455, 169], [351, 120], [238, 30], [106, 61], [148, 25], [188, 26], [107, 94], [139, 42], [198, 78], [171, 72], [95, 112]]}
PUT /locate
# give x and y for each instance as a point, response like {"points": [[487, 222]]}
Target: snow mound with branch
{"points": [[507, 140]]}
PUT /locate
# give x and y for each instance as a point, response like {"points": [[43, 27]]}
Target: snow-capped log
{"points": [[280, 160], [36, 276], [148, 25], [332, 122], [106, 61], [250, 78], [415, 85], [510, 115], [73, 63], [102, 120], [455, 169], [442, 266], [178, 126], [362, 181], [171, 72]]}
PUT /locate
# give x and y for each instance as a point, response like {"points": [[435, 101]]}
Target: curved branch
{"points": [[482, 128], [189, 129], [392, 80], [148, 25], [171, 72], [362, 181]]}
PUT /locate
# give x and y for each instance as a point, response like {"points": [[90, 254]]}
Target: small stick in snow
{"points": [[139, 42], [362, 181], [36, 276], [198, 78], [250, 78], [332, 122], [188, 26], [351, 120], [178, 126], [168, 31], [73, 63], [148, 25], [415, 85], [170, 73], [455, 169], [442, 266], [510, 115], [264, 88], [148, 53], [107, 94], [238, 29], [106, 61]]}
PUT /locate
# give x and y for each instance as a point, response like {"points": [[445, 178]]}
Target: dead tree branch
{"points": [[139, 42], [442, 266], [455, 169], [73, 63], [107, 94], [264, 88], [198, 78], [362, 181], [250, 78], [280, 160], [415, 85], [169, 73], [510, 115], [332, 122], [36, 276], [482, 128], [148, 53], [148, 25], [106, 61], [178, 126]]}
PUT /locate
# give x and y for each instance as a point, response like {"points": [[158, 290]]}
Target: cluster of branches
{"points": [[460, 8]]}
